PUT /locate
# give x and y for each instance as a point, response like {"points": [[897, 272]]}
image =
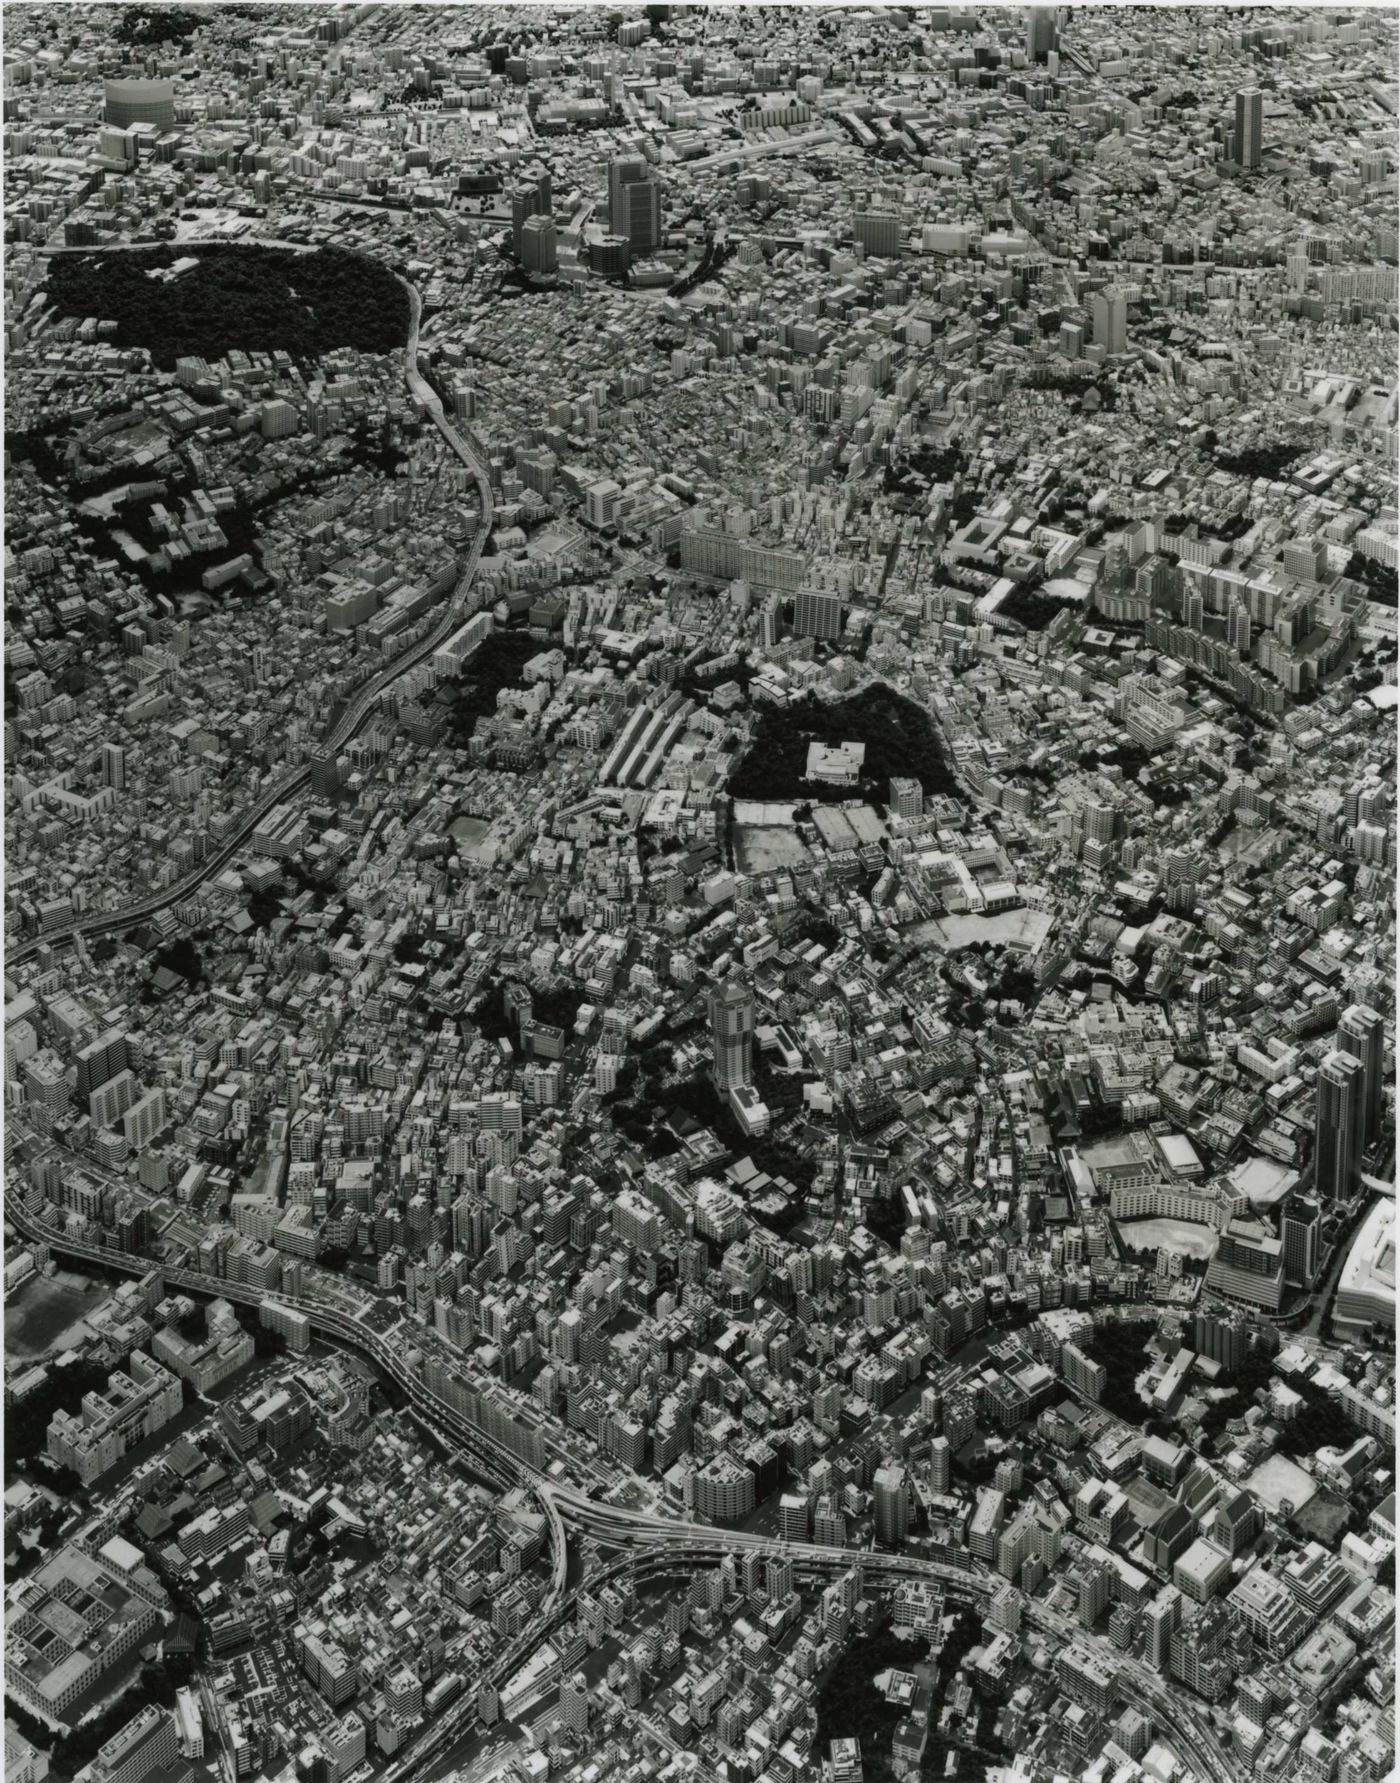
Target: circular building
{"points": [[129, 102]]}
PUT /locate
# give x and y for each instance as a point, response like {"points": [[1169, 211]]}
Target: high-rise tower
{"points": [[634, 203], [731, 1034], [1361, 1035], [1109, 308], [1336, 1156], [1041, 33], [532, 196], [1302, 1237], [1249, 127]]}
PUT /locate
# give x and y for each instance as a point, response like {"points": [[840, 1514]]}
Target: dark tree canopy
{"points": [[239, 298], [899, 738]]}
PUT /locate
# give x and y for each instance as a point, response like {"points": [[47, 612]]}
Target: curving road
{"points": [[639, 1535], [360, 705]]}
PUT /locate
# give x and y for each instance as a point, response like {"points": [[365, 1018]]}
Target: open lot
{"points": [[1025, 929], [766, 848], [45, 1310], [1279, 1480], [1184, 1236]]}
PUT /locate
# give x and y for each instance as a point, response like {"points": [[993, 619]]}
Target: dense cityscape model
{"points": [[700, 798]]}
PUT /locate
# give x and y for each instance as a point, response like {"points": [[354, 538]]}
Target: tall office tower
{"points": [[113, 765], [1042, 36], [1100, 823], [940, 1463], [325, 770], [1305, 558], [1162, 1617], [1302, 1237], [128, 102], [1336, 1158], [1249, 127], [634, 203], [1095, 1594], [878, 232], [906, 797], [1109, 309], [1361, 1035], [539, 245], [530, 197], [891, 1505], [817, 614], [731, 1034]]}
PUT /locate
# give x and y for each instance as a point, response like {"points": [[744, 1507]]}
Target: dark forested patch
{"points": [[497, 662], [1267, 460], [1123, 1350], [238, 298], [1033, 608], [139, 26], [1380, 581], [899, 738]]}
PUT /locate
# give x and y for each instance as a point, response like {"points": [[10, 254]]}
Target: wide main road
{"points": [[480, 1452], [639, 1535], [360, 704]]}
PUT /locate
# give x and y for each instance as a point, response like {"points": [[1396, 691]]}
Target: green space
{"points": [[900, 738], [647, 1109], [1035, 609], [1269, 460], [1123, 1351], [145, 26], [1380, 580], [27, 1420], [239, 297], [497, 662], [851, 1706], [41, 1311]]}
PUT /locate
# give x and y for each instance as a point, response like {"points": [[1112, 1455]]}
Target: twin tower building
{"points": [[1350, 1102]]}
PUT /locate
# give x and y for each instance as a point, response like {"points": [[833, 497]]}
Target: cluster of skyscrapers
{"points": [[633, 228]]}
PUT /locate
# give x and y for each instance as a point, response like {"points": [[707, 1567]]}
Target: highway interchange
{"points": [[653, 1545]]}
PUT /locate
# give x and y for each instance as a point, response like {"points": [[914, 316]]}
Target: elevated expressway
{"points": [[647, 1545], [358, 708]]}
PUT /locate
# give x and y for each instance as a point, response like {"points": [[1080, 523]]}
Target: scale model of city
{"points": [[699, 875]]}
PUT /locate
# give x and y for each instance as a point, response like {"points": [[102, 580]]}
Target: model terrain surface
{"points": [[699, 893]]}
